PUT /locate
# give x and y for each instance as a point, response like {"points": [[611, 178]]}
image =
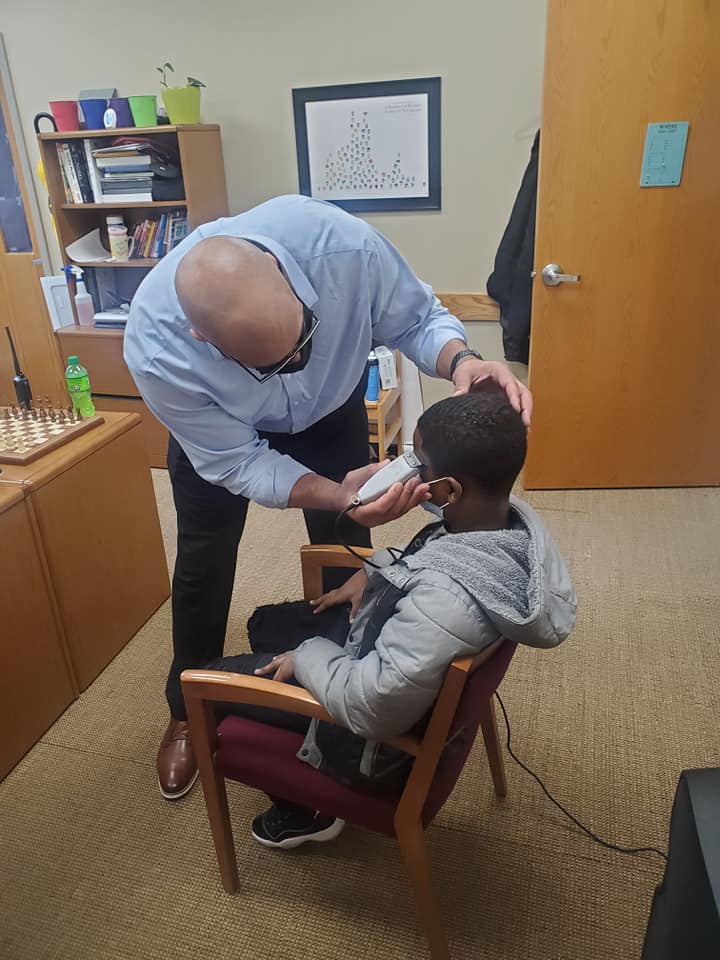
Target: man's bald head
{"points": [[236, 298]]}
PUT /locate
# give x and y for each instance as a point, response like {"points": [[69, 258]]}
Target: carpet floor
{"points": [[95, 864]]}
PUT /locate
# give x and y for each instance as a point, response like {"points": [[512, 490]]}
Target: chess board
{"points": [[22, 441]]}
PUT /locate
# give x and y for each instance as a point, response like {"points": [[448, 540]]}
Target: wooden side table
{"points": [[99, 537], [385, 418]]}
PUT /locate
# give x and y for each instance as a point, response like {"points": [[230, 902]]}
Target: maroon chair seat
{"points": [[264, 757]]}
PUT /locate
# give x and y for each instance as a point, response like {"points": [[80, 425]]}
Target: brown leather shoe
{"points": [[176, 764]]}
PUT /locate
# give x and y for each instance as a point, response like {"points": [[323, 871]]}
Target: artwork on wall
{"points": [[370, 146]]}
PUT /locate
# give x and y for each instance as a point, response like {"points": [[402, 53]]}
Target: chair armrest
{"points": [[316, 557], [217, 686]]}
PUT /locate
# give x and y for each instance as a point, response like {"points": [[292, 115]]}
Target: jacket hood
{"points": [[516, 575]]}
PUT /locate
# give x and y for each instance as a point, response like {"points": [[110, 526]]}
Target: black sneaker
{"points": [[285, 829]]}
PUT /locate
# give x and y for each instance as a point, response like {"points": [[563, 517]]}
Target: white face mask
{"points": [[433, 507]]}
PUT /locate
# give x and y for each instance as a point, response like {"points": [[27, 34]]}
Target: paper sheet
{"points": [[88, 248]]}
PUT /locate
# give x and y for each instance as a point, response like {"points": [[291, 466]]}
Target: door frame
{"points": [[28, 189]]}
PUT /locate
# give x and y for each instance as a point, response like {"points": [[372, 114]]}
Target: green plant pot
{"points": [[182, 104], [144, 111]]}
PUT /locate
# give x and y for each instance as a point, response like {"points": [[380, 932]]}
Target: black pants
{"points": [[211, 521]]}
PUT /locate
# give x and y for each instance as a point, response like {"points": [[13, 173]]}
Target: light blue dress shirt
{"points": [[356, 283]]}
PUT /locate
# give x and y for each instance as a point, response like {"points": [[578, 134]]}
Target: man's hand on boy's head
{"points": [[471, 374], [282, 667]]}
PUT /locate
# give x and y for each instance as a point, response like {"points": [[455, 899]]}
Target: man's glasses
{"points": [[302, 347]]}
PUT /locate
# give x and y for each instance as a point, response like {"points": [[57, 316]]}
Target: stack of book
{"points": [[153, 238], [125, 173], [94, 173]]}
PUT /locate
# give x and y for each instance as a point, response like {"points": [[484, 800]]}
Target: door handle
{"points": [[552, 275]]}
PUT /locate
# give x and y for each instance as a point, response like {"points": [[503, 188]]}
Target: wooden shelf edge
{"points": [[74, 330], [126, 131], [386, 396], [141, 262], [168, 204]]}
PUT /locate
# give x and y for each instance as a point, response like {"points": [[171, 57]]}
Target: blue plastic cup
{"points": [[94, 111]]}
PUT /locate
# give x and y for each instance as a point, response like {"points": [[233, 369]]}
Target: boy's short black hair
{"points": [[476, 438]]}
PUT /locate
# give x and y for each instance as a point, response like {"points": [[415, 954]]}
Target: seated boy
{"points": [[487, 568]]}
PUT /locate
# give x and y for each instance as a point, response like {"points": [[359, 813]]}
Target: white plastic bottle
{"points": [[84, 306]]}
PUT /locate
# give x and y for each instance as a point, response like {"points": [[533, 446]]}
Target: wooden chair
{"points": [[263, 756]]}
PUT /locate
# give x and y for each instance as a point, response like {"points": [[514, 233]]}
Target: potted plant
{"points": [[182, 103]]}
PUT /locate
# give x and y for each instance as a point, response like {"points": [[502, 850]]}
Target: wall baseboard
{"points": [[470, 307]]}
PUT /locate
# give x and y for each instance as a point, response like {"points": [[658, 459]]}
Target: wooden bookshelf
{"points": [[199, 149]]}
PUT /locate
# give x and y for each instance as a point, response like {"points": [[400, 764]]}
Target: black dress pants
{"points": [[211, 522]]}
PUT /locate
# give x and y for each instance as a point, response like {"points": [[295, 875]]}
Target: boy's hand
{"points": [[282, 667], [350, 592]]}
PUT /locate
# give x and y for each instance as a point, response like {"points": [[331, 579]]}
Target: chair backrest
{"points": [[453, 726]]}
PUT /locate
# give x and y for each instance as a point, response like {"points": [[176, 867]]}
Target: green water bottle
{"points": [[78, 384]]}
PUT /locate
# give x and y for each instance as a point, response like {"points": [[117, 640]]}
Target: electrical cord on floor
{"points": [[593, 836]]}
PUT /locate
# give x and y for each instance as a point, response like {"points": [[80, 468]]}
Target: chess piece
{"points": [[34, 413]]}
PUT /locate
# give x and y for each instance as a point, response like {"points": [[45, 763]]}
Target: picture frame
{"points": [[370, 147]]}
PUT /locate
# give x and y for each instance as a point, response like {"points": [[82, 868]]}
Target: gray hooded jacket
{"points": [[460, 593]]}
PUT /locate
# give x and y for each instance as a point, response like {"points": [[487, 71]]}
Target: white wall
{"points": [[250, 54]]}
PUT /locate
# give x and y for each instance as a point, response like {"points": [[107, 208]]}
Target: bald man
{"points": [[249, 341]]}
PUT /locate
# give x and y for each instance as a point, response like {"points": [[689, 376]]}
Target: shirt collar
{"points": [[296, 278]]}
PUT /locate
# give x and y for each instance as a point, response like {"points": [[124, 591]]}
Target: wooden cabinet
{"points": [[199, 150], [101, 351], [35, 677], [98, 537]]}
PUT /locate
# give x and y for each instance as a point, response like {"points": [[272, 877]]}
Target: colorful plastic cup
{"points": [[93, 111], [65, 113], [144, 111], [122, 111]]}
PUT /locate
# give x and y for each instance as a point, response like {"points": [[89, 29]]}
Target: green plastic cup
{"points": [[144, 111]]}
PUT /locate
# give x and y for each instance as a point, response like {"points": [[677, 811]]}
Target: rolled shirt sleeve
{"points": [[220, 447]]}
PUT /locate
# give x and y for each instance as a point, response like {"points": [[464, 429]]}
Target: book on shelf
{"points": [[126, 164], [154, 237]]}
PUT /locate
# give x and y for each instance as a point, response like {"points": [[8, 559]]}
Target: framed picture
{"points": [[370, 146]]}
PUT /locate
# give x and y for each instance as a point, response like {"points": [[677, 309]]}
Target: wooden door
{"points": [[623, 364], [22, 305]]}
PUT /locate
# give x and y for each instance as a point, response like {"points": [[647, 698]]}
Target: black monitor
{"points": [[684, 921]]}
